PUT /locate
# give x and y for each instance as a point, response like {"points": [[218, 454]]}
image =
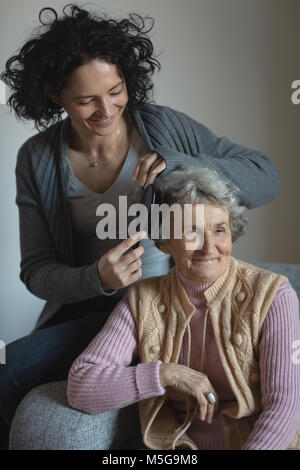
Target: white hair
{"points": [[202, 185]]}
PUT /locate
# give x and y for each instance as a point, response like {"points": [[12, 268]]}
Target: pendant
{"points": [[94, 164]]}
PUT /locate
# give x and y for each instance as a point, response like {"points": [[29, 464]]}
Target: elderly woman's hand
{"points": [[189, 381], [148, 167]]}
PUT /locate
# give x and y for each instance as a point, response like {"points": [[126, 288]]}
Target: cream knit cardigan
{"points": [[238, 303]]}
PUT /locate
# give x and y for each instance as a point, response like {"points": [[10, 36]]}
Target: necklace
{"points": [[95, 163]]}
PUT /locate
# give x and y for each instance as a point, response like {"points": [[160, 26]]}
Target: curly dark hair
{"points": [[41, 68]]}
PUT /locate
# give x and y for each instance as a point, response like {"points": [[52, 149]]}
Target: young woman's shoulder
{"points": [[165, 121], [161, 112]]}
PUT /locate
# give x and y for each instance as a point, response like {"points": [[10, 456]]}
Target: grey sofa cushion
{"points": [[45, 421]]}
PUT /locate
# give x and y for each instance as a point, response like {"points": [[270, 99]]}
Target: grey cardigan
{"points": [[46, 239]]}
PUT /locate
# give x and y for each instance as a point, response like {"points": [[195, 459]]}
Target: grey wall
{"points": [[228, 64]]}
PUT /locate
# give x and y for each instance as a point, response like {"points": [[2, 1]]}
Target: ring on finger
{"points": [[211, 398]]}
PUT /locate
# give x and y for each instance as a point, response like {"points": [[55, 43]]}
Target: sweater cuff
{"points": [[94, 279], [147, 380]]}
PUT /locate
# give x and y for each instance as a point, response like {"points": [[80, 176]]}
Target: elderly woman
{"points": [[212, 338]]}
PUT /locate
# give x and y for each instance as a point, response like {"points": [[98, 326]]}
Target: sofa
{"points": [[45, 421]]}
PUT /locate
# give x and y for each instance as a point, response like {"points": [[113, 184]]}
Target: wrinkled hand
{"points": [[117, 270], [191, 382], [148, 167]]}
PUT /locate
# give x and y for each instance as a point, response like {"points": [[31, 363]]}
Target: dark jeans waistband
{"points": [[67, 312]]}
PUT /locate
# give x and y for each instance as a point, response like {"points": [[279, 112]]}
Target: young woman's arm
{"points": [[182, 141]]}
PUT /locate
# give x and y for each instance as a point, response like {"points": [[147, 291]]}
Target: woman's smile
{"points": [[204, 261], [102, 121], [210, 260]]}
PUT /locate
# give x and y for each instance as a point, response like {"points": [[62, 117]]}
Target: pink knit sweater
{"points": [[102, 379]]}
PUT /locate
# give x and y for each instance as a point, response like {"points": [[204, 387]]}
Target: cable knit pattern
{"points": [[95, 377]]}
